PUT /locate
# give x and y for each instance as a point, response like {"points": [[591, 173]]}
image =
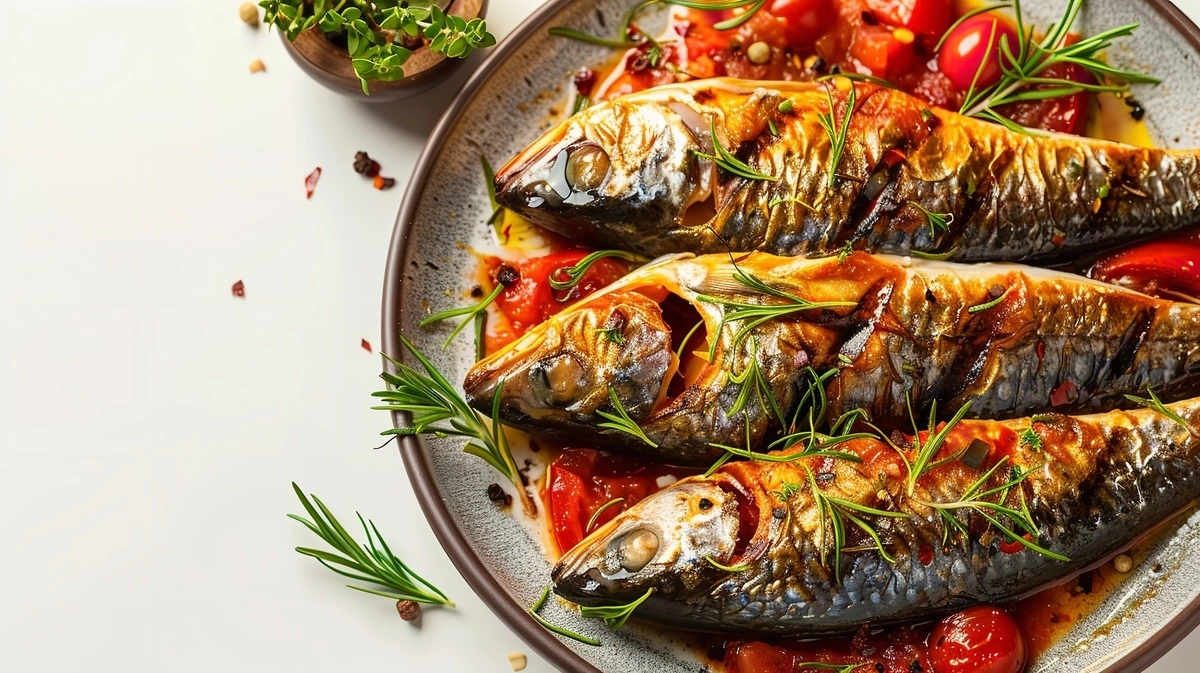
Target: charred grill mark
{"points": [[1131, 342], [976, 344]]}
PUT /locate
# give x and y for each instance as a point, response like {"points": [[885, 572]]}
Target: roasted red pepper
{"points": [[1164, 267]]}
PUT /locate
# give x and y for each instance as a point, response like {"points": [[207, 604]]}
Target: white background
{"points": [[150, 423]]}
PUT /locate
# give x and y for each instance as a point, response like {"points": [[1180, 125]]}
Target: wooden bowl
{"points": [[329, 64]]}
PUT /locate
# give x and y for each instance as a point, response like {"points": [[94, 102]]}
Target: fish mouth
{"points": [[645, 548]]}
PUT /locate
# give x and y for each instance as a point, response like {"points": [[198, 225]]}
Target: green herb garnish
{"points": [[614, 615], [726, 161], [1155, 404], [990, 304], [567, 277], [469, 311], [554, 628], [596, 515], [729, 569], [936, 221], [613, 334], [837, 135], [372, 562], [1029, 437], [620, 421], [572, 34]]}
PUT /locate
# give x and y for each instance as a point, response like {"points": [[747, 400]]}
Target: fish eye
{"points": [[636, 549], [558, 379], [705, 504], [587, 166]]}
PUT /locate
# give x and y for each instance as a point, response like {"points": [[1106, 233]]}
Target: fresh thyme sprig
{"points": [[837, 135], [1155, 404], [936, 221], [369, 27], [567, 277], [372, 562], [1025, 63], [726, 161], [729, 569], [596, 515], [619, 420], [554, 628], [435, 407], [469, 311], [614, 615]]}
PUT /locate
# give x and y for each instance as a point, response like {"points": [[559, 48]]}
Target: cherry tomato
{"points": [[931, 17], [761, 658], [877, 48], [531, 300], [980, 639], [581, 481], [806, 20], [1168, 265], [966, 47]]}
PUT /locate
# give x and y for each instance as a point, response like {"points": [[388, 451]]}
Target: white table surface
{"points": [[150, 422]]}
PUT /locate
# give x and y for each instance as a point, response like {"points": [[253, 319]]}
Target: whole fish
{"points": [[636, 173], [751, 549], [901, 335]]}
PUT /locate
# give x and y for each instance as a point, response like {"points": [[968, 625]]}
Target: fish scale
{"points": [[1008, 196], [1099, 482]]}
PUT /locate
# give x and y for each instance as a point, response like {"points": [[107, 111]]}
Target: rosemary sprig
{"points": [[837, 135], [925, 451], [613, 334], [936, 221], [751, 315], [729, 569], [752, 380], [786, 490], [596, 515], [726, 161], [572, 34], [614, 615], [1025, 63], [784, 199], [435, 407], [468, 311], [554, 628], [935, 256], [619, 420], [1157, 405], [567, 277], [1029, 437], [990, 304], [372, 562], [833, 534]]}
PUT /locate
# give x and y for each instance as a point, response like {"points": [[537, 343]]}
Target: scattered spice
{"points": [[1135, 109], [759, 53], [248, 12], [382, 183], [257, 66], [239, 289], [517, 661], [498, 496], [367, 346], [310, 183], [476, 292], [507, 275], [409, 610], [1123, 563], [365, 165]]}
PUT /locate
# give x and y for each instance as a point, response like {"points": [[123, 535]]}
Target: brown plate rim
{"points": [[414, 452]]}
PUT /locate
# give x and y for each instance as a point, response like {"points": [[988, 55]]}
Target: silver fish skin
{"points": [[1096, 483], [1011, 340], [631, 174]]}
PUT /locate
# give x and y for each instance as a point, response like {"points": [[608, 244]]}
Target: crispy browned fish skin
{"points": [[1009, 196], [1053, 342], [1097, 483]]}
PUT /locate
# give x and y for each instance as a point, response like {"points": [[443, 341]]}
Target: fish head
{"points": [[665, 543], [619, 174], [562, 370]]}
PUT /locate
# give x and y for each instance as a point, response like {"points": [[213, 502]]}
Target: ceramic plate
{"points": [[522, 88]]}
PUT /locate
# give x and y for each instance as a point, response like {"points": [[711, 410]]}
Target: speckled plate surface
{"points": [[517, 92]]}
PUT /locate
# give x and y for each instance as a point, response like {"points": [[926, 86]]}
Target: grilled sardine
{"points": [[636, 173]]}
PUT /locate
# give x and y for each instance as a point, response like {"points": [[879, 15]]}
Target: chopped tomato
{"points": [[980, 639], [530, 300], [878, 48], [581, 481], [930, 17], [972, 51], [806, 20], [1167, 266]]}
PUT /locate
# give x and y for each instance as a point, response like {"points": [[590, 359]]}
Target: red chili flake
{"points": [[892, 157], [1041, 350], [365, 165], [1066, 393], [310, 183], [367, 346], [1058, 240], [925, 554], [239, 289], [384, 183], [1012, 546]]}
